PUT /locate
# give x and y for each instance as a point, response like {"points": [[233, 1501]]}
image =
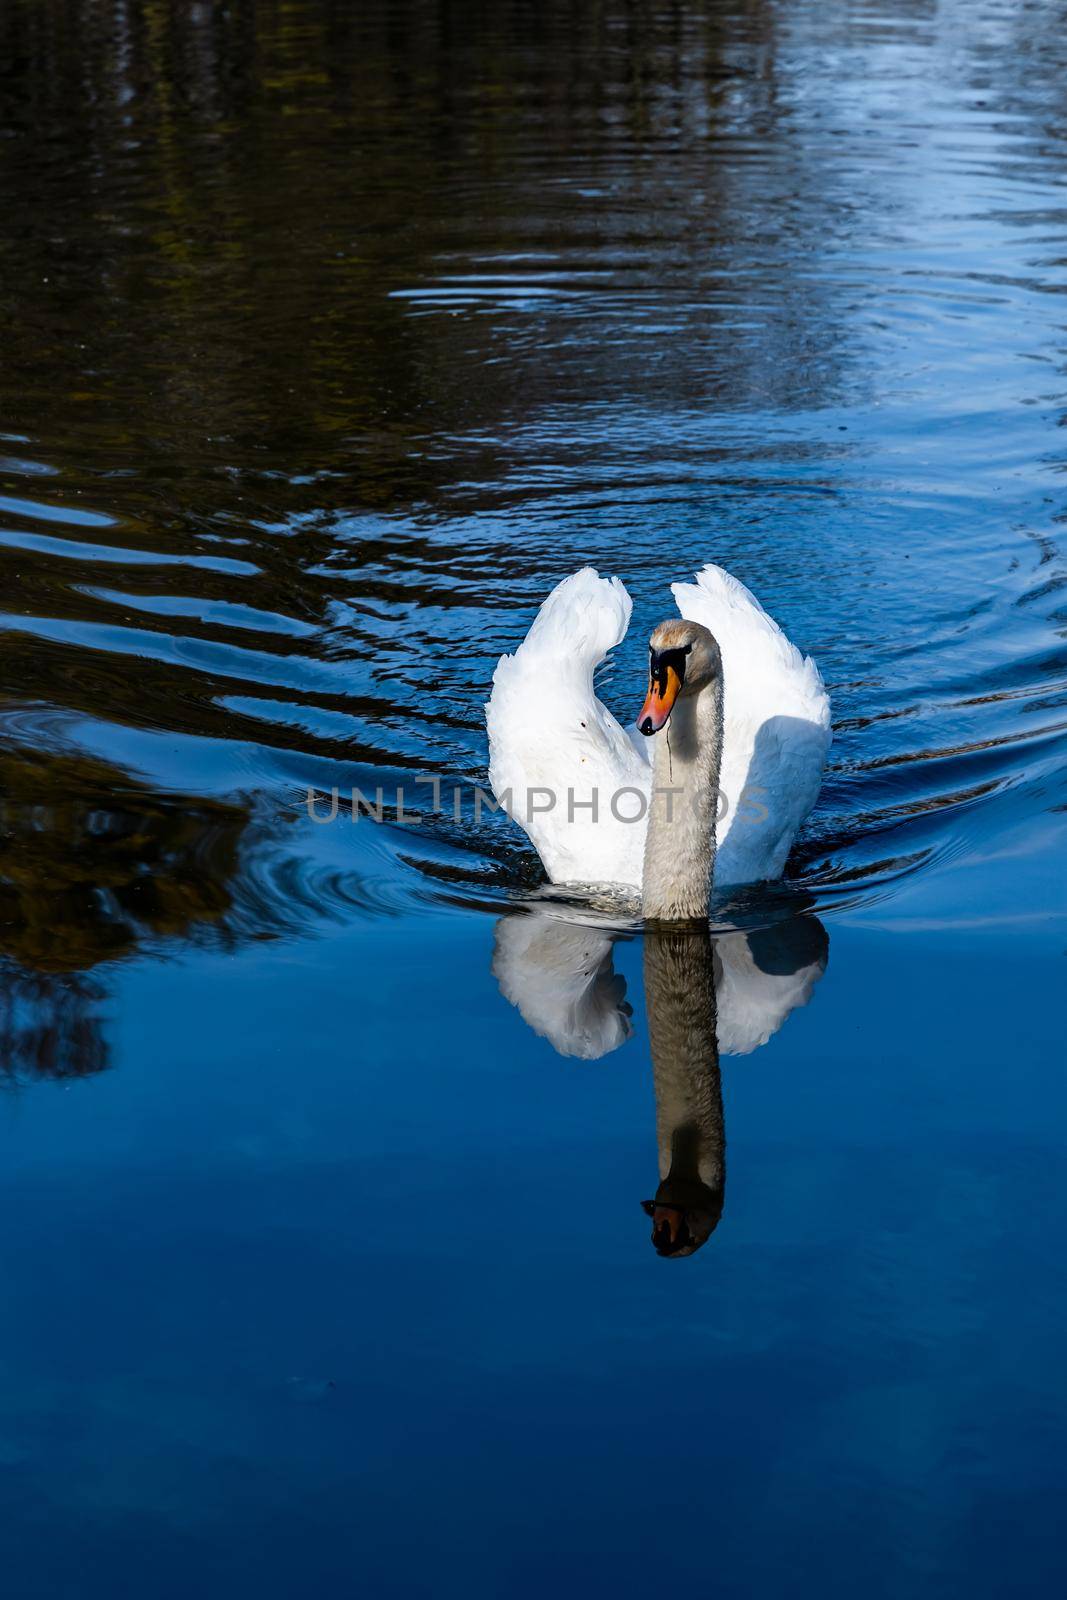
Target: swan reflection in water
{"points": [[706, 995]]}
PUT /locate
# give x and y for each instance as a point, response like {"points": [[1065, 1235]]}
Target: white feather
{"points": [[776, 728], [549, 735], [551, 738]]}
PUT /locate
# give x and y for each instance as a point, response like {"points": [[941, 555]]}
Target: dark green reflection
{"points": [[93, 867]]}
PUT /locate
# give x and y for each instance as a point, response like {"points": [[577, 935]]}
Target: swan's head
{"points": [[683, 658]]}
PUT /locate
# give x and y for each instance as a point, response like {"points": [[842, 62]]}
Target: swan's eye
{"points": [[660, 662]]}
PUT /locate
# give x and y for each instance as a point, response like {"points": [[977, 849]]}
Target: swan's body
{"points": [[756, 734]]}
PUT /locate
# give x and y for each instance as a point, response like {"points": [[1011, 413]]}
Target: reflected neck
{"points": [[680, 1001], [680, 843]]}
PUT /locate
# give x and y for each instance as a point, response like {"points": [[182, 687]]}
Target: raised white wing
{"points": [[558, 760], [776, 728]]}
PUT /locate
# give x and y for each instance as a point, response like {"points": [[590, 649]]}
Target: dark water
{"points": [[333, 337]]}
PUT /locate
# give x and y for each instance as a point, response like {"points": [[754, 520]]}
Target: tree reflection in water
{"points": [[95, 866]]}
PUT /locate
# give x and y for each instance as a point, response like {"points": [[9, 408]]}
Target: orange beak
{"points": [[659, 702]]}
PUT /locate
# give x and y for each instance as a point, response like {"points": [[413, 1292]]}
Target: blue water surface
{"points": [[336, 337]]}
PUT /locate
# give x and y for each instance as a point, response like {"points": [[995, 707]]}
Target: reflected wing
{"points": [[776, 727], [560, 977], [553, 745], [761, 977]]}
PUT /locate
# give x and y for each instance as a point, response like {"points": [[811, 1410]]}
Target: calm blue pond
{"points": [[334, 337]]}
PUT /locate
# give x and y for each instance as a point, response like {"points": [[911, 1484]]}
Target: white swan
{"points": [[736, 719]]}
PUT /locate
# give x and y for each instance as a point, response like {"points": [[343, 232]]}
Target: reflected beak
{"points": [[663, 687], [667, 1223]]}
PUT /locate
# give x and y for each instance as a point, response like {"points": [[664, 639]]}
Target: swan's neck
{"points": [[680, 843]]}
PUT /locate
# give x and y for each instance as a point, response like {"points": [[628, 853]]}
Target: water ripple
{"points": [[798, 316]]}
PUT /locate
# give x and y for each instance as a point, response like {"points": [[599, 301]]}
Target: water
{"points": [[333, 338]]}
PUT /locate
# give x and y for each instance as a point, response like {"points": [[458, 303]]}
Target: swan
{"points": [[712, 785]]}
